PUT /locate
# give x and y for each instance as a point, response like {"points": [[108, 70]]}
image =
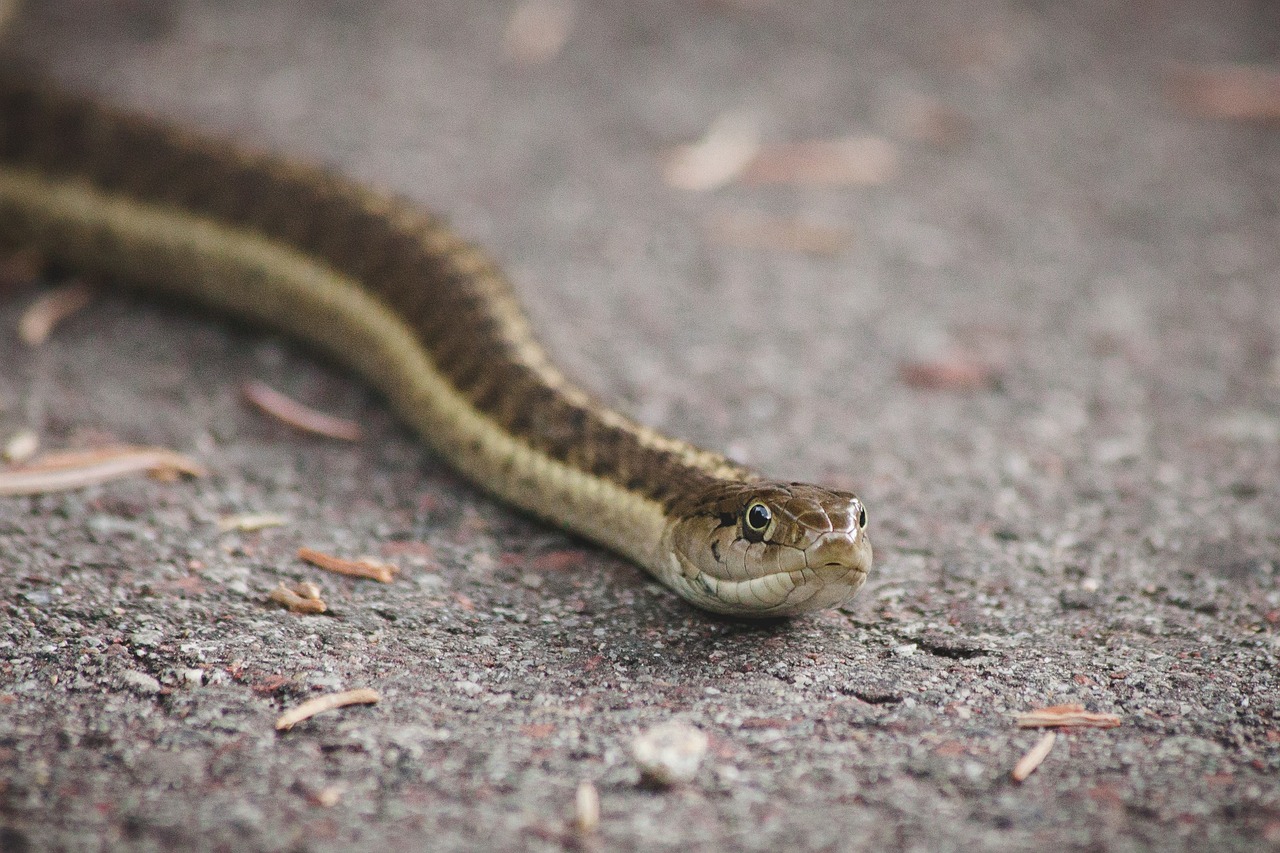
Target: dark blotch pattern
{"points": [[443, 287]]}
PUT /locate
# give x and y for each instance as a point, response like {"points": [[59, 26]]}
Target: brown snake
{"points": [[393, 293]]}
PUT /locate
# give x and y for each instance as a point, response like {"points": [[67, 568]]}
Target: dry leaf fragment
{"points": [[57, 472], [329, 796], [299, 599], [51, 308], [308, 709], [586, 808], [537, 30], [1061, 716], [250, 522], [295, 414], [787, 235], [931, 121], [302, 597], [307, 590], [364, 567], [1232, 92], [720, 156], [957, 373], [850, 161], [1037, 754]]}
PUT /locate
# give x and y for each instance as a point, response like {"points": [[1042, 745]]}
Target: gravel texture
{"points": [[1097, 524]]}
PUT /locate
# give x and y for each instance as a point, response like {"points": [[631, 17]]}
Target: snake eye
{"points": [[755, 521]]}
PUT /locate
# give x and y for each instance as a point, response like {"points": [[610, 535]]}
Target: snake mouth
{"points": [[837, 550], [783, 593]]}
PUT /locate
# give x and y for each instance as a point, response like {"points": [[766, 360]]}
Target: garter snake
{"points": [[391, 292]]}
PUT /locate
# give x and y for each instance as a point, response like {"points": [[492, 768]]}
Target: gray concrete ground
{"points": [[1098, 526]]}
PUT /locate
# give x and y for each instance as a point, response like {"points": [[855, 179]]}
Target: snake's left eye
{"points": [[755, 521]]}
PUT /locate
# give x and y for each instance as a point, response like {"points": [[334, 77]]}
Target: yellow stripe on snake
{"points": [[393, 293]]}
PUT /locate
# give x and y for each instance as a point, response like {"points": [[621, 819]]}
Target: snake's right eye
{"points": [[755, 521]]}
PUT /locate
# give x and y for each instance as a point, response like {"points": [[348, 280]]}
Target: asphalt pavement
{"points": [[1011, 271]]}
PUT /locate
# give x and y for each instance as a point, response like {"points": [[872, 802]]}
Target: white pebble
{"points": [[21, 446], [587, 807], [670, 752], [140, 681]]}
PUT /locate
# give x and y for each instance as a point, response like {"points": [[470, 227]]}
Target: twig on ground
{"points": [[58, 472], [364, 567], [301, 598], [250, 522], [1037, 754], [788, 235], [1230, 92], [1063, 716], [847, 161], [308, 709], [49, 309], [295, 414], [716, 159], [956, 373]]}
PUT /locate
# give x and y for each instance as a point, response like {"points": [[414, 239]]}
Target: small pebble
{"points": [[140, 681], [670, 753], [21, 446], [587, 807]]}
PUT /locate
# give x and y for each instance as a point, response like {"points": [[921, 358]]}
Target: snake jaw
{"points": [[775, 595]]}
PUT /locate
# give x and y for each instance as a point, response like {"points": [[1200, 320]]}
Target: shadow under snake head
{"points": [[767, 548]]}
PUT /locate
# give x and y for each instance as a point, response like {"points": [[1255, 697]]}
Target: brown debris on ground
{"points": [[51, 308], [956, 373], [77, 469], [328, 702], [1066, 716], [287, 410], [1033, 758], [302, 597], [364, 567], [1229, 92]]}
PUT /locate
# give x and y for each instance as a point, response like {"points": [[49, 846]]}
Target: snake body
{"points": [[427, 318]]}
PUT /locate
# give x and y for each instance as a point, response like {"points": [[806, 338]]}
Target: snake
{"points": [[393, 293]]}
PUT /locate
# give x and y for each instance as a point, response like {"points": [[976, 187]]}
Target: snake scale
{"points": [[392, 293]]}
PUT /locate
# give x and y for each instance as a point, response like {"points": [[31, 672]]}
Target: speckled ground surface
{"points": [[1100, 527]]}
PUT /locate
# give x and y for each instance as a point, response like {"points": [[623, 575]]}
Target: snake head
{"points": [[767, 549]]}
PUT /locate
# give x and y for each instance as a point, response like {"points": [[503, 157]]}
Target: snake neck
{"points": [[380, 285]]}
